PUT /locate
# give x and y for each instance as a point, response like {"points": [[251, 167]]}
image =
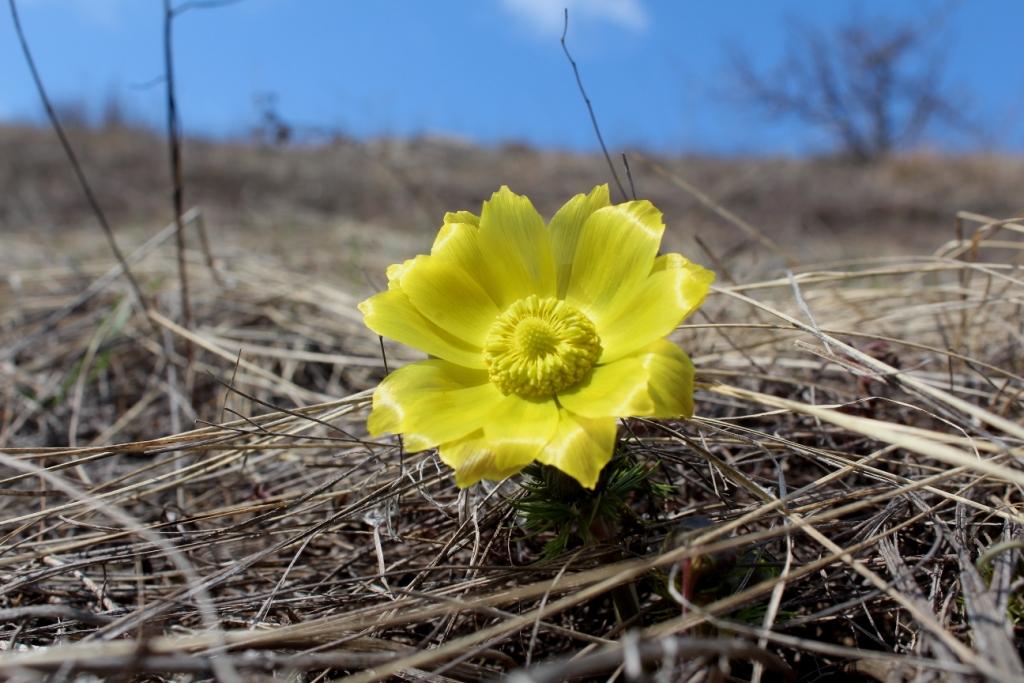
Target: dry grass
{"points": [[908, 202], [857, 448]]}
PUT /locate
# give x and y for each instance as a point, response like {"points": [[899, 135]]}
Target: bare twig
{"points": [[178, 190], [590, 107], [69, 152], [629, 175]]}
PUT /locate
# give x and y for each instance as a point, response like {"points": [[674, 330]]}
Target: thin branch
{"points": [[590, 107], [73, 159], [202, 4], [177, 195], [629, 175], [401, 439]]}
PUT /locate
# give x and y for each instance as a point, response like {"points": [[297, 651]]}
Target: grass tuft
{"points": [[853, 474]]}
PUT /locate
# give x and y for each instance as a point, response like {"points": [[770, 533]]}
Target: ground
{"points": [[203, 501]]}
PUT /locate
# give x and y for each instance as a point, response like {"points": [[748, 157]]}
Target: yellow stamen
{"points": [[539, 347]]}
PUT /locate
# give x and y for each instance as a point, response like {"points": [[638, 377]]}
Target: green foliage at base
{"points": [[555, 502], [1015, 604]]}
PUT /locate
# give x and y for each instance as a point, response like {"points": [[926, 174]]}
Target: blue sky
{"points": [[486, 70]]}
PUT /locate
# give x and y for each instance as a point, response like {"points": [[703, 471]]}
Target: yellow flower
{"points": [[539, 336]]}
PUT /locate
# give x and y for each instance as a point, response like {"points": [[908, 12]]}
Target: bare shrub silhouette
{"points": [[875, 84]]}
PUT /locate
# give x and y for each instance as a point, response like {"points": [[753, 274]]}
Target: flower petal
{"points": [[432, 402], [581, 446], [565, 228], [517, 246], [391, 314], [526, 422], [395, 271], [614, 255], [459, 243], [448, 296], [513, 435], [474, 458], [617, 389], [670, 379], [673, 290], [462, 217]]}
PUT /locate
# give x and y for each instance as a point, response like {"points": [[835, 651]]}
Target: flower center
{"points": [[538, 347]]}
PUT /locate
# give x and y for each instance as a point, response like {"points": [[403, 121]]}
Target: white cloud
{"points": [[546, 16]]}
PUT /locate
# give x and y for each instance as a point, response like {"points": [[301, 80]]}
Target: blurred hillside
{"points": [[406, 185]]}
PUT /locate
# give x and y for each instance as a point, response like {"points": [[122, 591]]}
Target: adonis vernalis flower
{"points": [[539, 336]]}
